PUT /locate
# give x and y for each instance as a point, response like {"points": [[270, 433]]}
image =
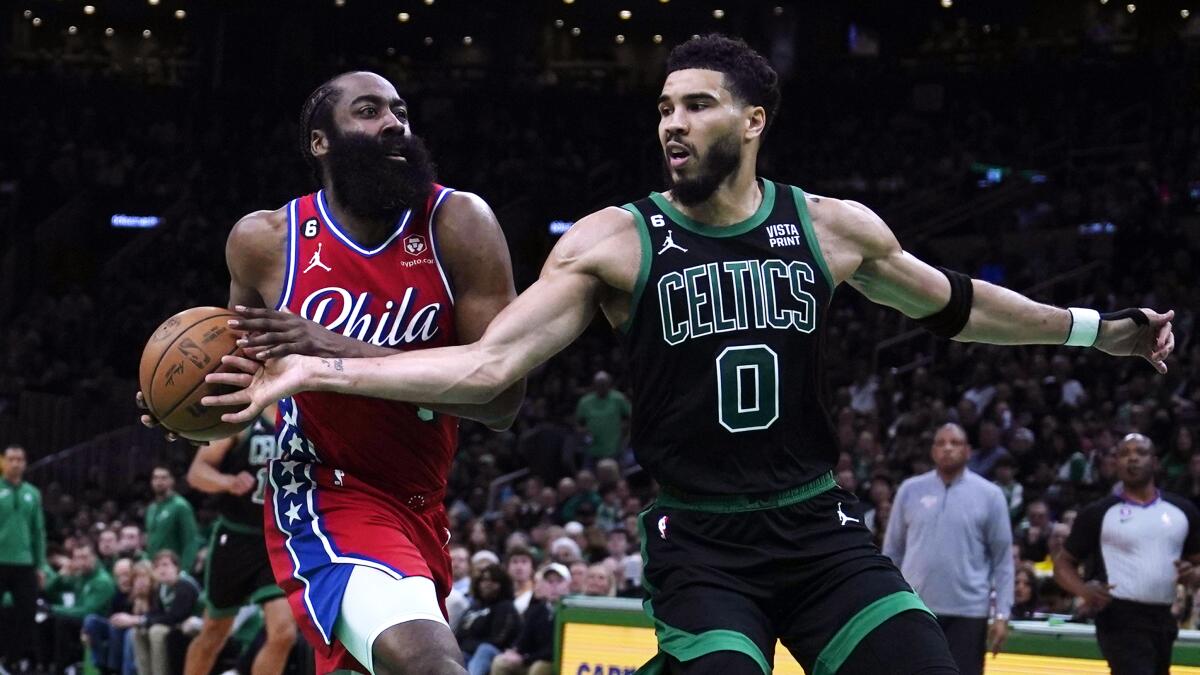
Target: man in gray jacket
{"points": [[950, 535]]}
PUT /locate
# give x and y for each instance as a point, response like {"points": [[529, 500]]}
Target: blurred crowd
{"points": [[549, 507]]}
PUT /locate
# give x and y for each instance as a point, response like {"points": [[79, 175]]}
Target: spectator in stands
{"points": [[22, 558], [90, 590], [170, 521], [1140, 543], [106, 641], [533, 653], [1059, 532], [600, 581], [1034, 531], [492, 623], [460, 568], [950, 535], [1005, 479], [107, 548], [984, 458], [175, 601], [579, 570], [1025, 593], [603, 415], [129, 543], [519, 565]]}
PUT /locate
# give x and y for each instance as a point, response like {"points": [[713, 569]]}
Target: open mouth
{"points": [[677, 154]]}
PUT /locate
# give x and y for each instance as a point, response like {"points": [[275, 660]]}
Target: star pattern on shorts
{"points": [[292, 487], [289, 416], [289, 466], [293, 514], [296, 444]]}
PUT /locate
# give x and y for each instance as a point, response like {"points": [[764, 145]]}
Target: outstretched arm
{"points": [[881, 270], [538, 324]]}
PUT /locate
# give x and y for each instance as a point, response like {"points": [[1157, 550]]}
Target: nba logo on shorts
{"points": [[415, 245], [662, 527]]}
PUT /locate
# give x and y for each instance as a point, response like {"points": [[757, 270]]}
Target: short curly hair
{"points": [[748, 75]]}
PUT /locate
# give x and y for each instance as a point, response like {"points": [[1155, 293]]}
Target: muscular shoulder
{"points": [[604, 244], [848, 223], [256, 239], [466, 223]]}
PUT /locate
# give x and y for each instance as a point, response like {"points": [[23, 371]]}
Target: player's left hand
{"points": [[997, 634], [1187, 574], [259, 385], [273, 334], [1152, 341]]}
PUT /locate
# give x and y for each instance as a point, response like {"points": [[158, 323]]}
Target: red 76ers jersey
{"points": [[395, 295]]}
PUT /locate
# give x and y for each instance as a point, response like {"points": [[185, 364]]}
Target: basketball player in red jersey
{"points": [[381, 260]]}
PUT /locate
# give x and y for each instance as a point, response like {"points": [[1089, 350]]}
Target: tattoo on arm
{"points": [[336, 364]]}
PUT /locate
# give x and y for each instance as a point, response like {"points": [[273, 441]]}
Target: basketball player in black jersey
{"points": [[238, 571], [719, 288]]}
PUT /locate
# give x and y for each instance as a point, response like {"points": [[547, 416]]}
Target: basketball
{"points": [[178, 355]]}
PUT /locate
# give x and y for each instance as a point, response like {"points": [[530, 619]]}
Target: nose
{"points": [[675, 124], [393, 124]]}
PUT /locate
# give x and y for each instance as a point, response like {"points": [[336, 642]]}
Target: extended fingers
{"points": [[241, 380], [241, 363], [266, 339], [239, 398]]}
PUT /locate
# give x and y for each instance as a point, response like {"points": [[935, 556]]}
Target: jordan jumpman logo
{"points": [[316, 261], [845, 518], [670, 244]]}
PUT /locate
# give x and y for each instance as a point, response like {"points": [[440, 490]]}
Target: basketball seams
{"points": [[191, 391], [154, 371]]}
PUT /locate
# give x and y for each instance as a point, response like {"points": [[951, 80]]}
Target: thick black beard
{"points": [[721, 160], [371, 185]]}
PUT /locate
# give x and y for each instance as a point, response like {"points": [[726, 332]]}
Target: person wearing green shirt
{"points": [[603, 413], [170, 521], [89, 590], [22, 554]]}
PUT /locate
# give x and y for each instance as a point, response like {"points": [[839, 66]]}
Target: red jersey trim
{"points": [[289, 258]]}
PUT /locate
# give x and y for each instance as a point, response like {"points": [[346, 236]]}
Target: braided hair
{"points": [[317, 113]]}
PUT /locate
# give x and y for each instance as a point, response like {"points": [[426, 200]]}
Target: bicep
{"points": [[543, 320], [903, 282]]}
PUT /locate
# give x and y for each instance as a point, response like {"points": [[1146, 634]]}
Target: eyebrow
{"points": [[376, 99], [704, 96]]}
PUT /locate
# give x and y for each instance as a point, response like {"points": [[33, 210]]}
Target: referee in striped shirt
{"points": [[1136, 545]]}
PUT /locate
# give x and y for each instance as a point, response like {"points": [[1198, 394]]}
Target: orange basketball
{"points": [[184, 349]]}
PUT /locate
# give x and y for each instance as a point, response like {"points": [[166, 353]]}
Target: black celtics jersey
{"points": [[724, 347], [251, 455]]}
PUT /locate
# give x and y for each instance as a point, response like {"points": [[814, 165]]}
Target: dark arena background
{"points": [[1049, 147]]}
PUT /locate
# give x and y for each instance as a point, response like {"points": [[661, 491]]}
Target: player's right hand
{"points": [[243, 483]]}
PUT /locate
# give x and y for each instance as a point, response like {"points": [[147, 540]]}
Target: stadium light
{"points": [[180, 14], [403, 17], [28, 14], [467, 40], [1131, 8], [109, 32], [1183, 14], [37, 22], [657, 39], [89, 9], [575, 31], [718, 14], [625, 14], [71, 30], [153, 3], [428, 40], [620, 39], [559, 23], [947, 4]]}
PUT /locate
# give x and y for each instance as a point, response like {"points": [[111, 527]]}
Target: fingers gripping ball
{"points": [[180, 352]]}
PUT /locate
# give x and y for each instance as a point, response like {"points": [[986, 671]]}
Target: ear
{"points": [[756, 122], [318, 142]]}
